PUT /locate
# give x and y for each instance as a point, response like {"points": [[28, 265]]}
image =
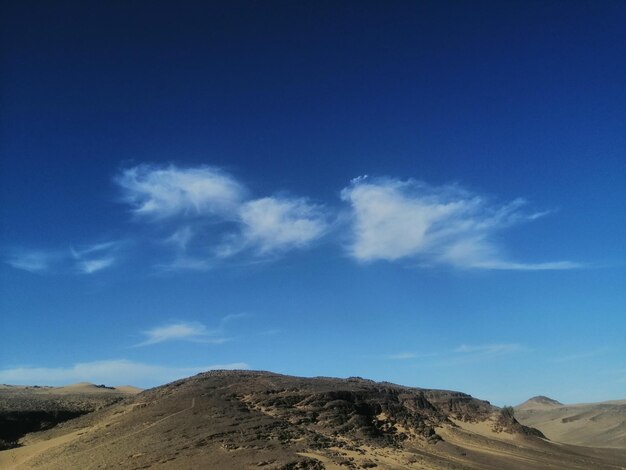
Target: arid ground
{"points": [[242, 419], [586, 424]]}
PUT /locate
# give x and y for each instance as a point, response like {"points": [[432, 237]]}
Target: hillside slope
{"points": [[589, 424], [241, 419], [25, 409]]}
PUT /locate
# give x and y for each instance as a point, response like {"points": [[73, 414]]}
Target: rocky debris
{"points": [[246, 419], [505, 422]]}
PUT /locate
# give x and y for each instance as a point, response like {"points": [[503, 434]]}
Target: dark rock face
{"points": [[243, 419], [15, 424], [356, 408], [32, 409]]}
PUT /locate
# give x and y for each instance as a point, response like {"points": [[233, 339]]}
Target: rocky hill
{"points": [[243, 419], [538, 402]]}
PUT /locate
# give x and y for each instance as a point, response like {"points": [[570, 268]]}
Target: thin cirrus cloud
{"points": [[88, 259], [94, 258], [182, 331], [397, 220], [199, 198], [492, 349], [111, 372], [170, 191], [203, 216], [32, 261], [275, 224]]}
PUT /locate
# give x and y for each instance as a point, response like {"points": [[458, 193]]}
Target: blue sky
{"points": [[430, 193]]}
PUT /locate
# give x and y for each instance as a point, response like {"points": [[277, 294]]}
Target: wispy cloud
{"points": [[181, 237], [466, 354], [395, 219], [209, 204], [579, 355], [87, 259], [32, 261], [492, 349], [91, 266], [276, 224], [96, 257], [404, 356], [232, 317], [185, 262], [463, 354], [162, 192], [199, 218], [110, 372], [182, 331]]}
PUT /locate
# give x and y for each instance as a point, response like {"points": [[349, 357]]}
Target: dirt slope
{"points": [[25, 409], [589, 424], [239, 420]]}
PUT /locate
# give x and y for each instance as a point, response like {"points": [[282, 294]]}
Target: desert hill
{"points": [[244, 419], [589, 424], [25, 409], [539, 402]]}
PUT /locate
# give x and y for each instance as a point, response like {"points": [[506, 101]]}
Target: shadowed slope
{"points": [[242, 419], [25, 409]]}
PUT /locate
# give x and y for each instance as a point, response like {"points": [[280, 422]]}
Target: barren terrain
{"points": [[589, 424], [241, 419]]}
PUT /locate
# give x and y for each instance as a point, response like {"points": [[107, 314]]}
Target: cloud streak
{"points": [[493, 349], [405, 356], [211, 205], [183, 331], [200, 218], [88, 259], [276, 224], [32, 261], [394, 220], [162, 192], [111, 372]]}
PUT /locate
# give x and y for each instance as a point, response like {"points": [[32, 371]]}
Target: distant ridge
{"points": [[233, 420], [600, 424], [539, 402]]}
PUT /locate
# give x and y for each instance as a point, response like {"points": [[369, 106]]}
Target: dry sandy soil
{"points": [[241, 419], [587, 424], [25, 409]]}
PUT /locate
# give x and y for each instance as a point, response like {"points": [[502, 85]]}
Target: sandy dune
{"points": [[589, 424]]}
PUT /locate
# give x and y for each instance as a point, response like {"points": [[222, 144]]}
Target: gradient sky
{"points": [[429, 193]]}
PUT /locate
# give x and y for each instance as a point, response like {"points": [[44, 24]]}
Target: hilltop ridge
{"points": [[539, 401], [250, 419], [600, 424]]}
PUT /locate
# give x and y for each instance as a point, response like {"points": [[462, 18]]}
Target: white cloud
{"points": [[181, 237], [170, 191], [182, 331], [209, 219], [93, 265], [94, 258], [489, 349], [86, 260], [580, 356], [185, 263], [274, 224], [401, 356], [262, 226], [110, 372], [31, 261], [395, 219]]}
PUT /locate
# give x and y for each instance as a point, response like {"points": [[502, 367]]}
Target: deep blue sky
{"points": [[430, 272]]}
